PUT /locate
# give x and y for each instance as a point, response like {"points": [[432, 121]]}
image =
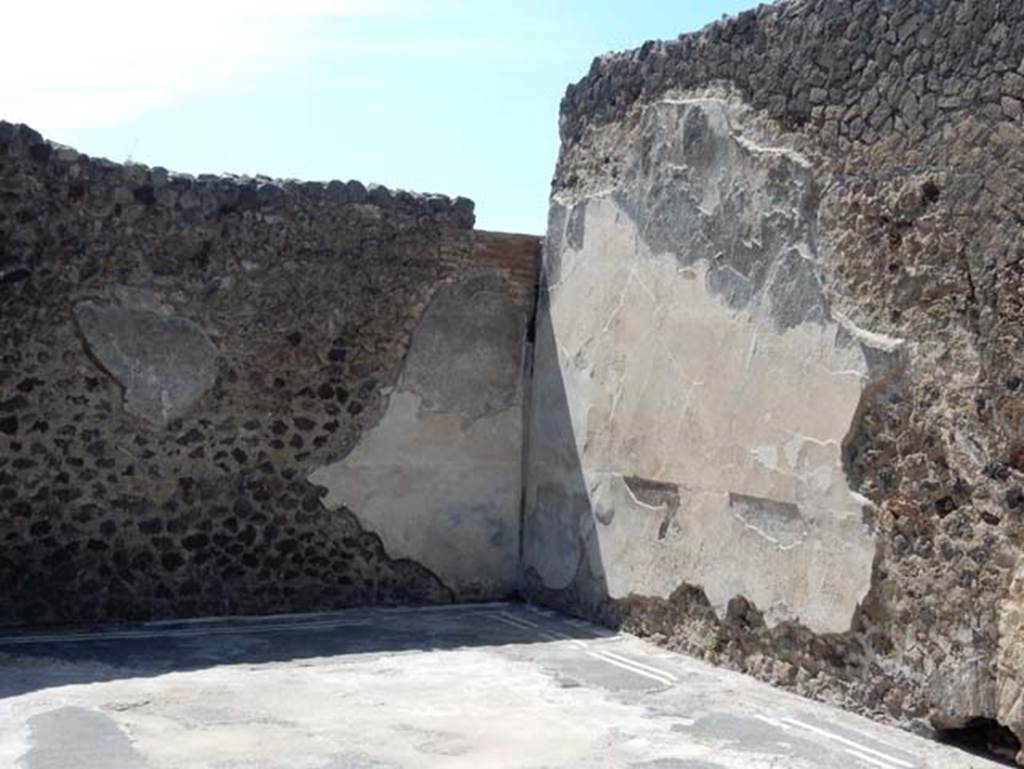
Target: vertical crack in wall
{"points": [[529, 349]]}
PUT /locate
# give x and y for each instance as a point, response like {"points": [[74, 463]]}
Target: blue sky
{"points": [[452, 96]]}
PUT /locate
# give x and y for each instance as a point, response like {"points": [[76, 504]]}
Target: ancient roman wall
{"points": [[778, 413], [226, 395]]}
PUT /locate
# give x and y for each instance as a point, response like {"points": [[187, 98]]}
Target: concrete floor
{"points": [[474, 686]]}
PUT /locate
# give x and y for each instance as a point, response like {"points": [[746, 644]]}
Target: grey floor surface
{"points": [[486, 686]]}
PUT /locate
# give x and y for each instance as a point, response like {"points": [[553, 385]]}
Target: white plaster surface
{"points": [[439, 489], [664, 381], [439, 478]]}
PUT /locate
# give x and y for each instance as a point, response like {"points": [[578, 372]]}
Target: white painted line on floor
{"points": [[868, 759], [509, 619], [619, 662], [519, 619], [773, 722], [543, 612], [631, 661], [893, 761], [200, 626], [469, 608], [612, 655], [123, 635], [527, 624], [535, 631], [873, 738], [638, 671], [575, 621]]}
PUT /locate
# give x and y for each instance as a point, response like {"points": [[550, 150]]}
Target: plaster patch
{"points": [[439, 490], [164, 362], [439, 477], [734, 391], [466, 352]]}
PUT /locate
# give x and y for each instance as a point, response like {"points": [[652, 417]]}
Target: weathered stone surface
{"points": [[113, 282], [834, 188], [1009, 692], [164, 362]]}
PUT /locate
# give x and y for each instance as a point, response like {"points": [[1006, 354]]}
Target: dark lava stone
{"points": [[151, 526], [304, 423], [191, 436], [171, 561], [195, 541], [40, 152], [1017, 458], [1014, 497], [997, 470], [145, 195]]}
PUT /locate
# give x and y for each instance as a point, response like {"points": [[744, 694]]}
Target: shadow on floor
{"points": [[33, 661]]}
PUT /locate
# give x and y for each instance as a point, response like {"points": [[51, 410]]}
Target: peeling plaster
{"points": [[741, 401], [439, 478], [438, 489]]}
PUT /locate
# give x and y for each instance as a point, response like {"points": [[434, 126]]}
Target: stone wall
{"points": [[226, 395], [778, 413]]}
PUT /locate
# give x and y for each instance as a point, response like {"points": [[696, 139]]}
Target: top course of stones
{"points": [[136, 184], [867, 65]]}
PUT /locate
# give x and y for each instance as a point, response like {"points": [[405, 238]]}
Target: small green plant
{"points": [[712, 643]]}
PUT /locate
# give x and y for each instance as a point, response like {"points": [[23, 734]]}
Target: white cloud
{"points": [[74, 63]]}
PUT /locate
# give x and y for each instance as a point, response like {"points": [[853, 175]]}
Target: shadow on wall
{"points": [[558, 535]]}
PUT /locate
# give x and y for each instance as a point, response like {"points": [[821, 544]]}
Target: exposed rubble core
{"points": [[178, 355], [783, 275]]}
